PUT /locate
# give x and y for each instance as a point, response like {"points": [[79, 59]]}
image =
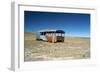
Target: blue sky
{"points": [[74, 24]]}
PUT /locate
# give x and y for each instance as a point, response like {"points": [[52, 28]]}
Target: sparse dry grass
{"points": [[72, 48]]}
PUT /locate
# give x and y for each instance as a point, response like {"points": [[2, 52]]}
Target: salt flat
{"points": [[71, 48]]}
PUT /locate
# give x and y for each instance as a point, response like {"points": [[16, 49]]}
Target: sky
{"points": [[74, 24]]}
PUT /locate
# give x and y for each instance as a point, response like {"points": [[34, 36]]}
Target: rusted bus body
{"points": [[55, 38], [53, 35]]}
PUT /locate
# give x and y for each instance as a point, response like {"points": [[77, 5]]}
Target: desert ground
{"points": [[71, 48]]}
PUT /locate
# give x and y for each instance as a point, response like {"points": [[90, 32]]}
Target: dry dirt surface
{"points": [[71, 48]]}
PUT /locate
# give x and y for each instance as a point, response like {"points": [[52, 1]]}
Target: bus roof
{"points": [[52, 31]]}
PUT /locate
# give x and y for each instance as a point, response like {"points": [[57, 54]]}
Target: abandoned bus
{"points": [[51, 35]]}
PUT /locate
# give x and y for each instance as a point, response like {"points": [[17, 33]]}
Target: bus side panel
{"points": [[60, 39], [51, 38], [43, 38]]}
